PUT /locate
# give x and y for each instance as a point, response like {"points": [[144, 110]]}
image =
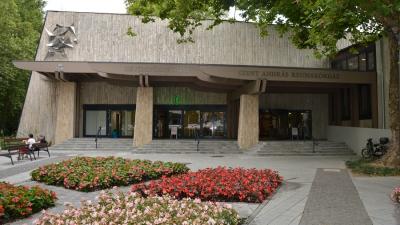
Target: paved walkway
{"points": [[287, 206], [334, 200]]}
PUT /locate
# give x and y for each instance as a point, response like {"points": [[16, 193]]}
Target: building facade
{"points": [[90, 78]]}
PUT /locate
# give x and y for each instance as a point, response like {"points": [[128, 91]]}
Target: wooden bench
{"points": [[19, 150], [37, 147], [15, 146]]}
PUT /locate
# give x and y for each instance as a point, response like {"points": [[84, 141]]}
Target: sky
{"points": [[109, 6]]}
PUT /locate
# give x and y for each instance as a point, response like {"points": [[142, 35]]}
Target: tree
{"points": [[20, 25], [313, 24]]}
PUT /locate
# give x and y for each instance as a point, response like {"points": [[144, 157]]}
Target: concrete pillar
{"points": [[248, 132], [143, 117], [66, 111]]}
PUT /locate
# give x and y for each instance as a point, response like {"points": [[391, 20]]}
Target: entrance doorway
{"points": [[122, 123], [116, 121], [186, 121], [278, 124]]}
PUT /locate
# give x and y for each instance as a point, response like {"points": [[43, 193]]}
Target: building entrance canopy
{"points": [[210, 76]]}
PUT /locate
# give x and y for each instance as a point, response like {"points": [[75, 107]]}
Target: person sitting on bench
{"points": [[42, 139], [30, 141], [25, 150]]}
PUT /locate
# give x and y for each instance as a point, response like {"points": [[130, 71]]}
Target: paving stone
{"points": [[334, 200]]}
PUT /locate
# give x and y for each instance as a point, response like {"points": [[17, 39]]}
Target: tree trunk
{"points": [[392, 157]]}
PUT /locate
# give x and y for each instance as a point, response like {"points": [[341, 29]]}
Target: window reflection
{"points": [[191, 123], [363, 61], [213, 124]]}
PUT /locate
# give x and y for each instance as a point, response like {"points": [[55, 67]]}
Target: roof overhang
{"points": [[225, 76]]}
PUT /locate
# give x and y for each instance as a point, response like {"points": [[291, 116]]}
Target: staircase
{"points": [[190, 146], [156, 146], [172, 146], [88, 144], [302, 148]]}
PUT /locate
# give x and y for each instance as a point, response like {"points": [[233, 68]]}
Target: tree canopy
{"points": [[315, 24], [20, 25]]}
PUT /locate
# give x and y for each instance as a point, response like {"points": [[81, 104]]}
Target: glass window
{"points": [[335, 65], [213, 124], [343, 64], [362, 61], [345, 96], [128, 123], [365, 102], [94, 120], [353, 63], [371, 61]]}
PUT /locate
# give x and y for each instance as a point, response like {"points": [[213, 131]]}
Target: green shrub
{"points": [[366, 167], [90, 174]]}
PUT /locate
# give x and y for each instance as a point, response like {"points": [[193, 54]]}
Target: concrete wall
{"points": [[39, 112], [317, 103], [103, 37], [66, 103], [355, 137]]}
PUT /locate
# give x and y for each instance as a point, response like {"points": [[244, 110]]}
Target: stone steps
{"points": [[302, 148], [172, 146], [157, 146], [190, 146], [88, 144]]}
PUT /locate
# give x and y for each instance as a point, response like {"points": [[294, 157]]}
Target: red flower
{"points": [[219, 184]]}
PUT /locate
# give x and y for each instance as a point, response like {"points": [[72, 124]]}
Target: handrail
{"points": [[314, 143], [197, 138], [97, 135]]}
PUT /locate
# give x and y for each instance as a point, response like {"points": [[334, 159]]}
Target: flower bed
{"points": [[220, 184], [396, 195], [20, 201], [131, 208], [89, 174]]}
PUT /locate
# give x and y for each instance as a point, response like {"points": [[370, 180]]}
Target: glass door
{"points": [[175, 123], [94, 120], [213, 124], [122, 123], [115, 120], [191, 123]]}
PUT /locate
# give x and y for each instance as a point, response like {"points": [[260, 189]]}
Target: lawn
{"points": [[371, 168]]}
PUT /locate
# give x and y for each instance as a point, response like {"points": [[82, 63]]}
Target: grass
{"points": [[370, 168]]}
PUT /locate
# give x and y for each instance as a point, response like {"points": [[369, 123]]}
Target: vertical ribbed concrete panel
{"points": [[143, 116], [248, 121], [66, 103]]}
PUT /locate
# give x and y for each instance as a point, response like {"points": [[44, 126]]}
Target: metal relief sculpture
{"points": [[60, 38]]}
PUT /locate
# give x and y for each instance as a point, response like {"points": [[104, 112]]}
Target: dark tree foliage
{"points": [[20, 26]]}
